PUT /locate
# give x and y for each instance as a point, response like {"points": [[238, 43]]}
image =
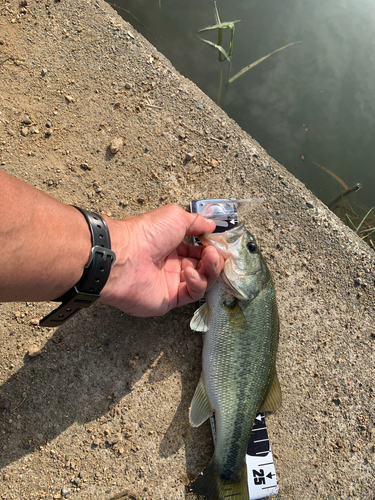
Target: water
{"points": [[315, 99]]}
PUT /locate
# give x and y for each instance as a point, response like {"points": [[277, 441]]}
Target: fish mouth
{"points": [[224, 242]]}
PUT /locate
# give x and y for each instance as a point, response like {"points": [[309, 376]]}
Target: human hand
{"points": [[155, 269]]}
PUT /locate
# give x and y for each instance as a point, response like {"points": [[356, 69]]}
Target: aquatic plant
{"points": [[342, 206], [226, 55], [252, 65], [363, 233], [220, 26], [115, 6]]}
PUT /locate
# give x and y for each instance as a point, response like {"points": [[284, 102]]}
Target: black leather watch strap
{"points": [[94, 277]]}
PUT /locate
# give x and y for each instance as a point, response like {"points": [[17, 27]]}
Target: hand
{"points": [[155, 269]]}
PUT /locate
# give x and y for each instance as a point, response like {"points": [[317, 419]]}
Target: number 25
{"points": [[259, 477]]}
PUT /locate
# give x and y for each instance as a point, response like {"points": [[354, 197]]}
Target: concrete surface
{"points": [[103, 408]]}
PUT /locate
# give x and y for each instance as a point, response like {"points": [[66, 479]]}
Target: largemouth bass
{"points": [[238, 379]]}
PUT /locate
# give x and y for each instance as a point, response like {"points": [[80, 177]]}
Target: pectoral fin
{"points": [[199, 322], [273, 399], [200, 408]]}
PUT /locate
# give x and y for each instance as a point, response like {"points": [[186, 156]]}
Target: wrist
{"points": [[119, 276], [80, 257], [95, 274]]}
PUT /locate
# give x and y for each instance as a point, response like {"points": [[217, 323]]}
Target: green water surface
{"points": [[315, 99]]}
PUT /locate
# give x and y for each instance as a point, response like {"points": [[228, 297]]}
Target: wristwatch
{"points": [[95, 274]]}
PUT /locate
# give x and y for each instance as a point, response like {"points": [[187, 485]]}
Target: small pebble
{"points": [[69, 98], [34, 351], [116, 145], [4, 404], [65, 491], [26, 120], [24, 131], [128, 86], [189, 156], [310, 205], [44, 71], [48, 124]]}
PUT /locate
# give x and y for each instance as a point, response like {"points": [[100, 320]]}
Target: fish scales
{"points": [[241, 326], [236, 367]]}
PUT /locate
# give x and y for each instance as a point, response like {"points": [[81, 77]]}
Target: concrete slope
{"points": [[104, 407]]}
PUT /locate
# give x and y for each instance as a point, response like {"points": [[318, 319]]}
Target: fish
{"points": [[240, 322]]}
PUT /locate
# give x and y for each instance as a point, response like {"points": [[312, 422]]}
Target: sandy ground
{"points": [[103, 407]]}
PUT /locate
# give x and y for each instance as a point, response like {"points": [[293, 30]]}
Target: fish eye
{"points": [[252, 246]]}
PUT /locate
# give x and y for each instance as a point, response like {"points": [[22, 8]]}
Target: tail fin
{"points": [[211, 486]]}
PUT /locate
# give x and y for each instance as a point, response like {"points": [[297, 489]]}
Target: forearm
{"points": [[45, 244]]}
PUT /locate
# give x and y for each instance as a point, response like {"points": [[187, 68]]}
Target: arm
{"points": [[46, 244]]}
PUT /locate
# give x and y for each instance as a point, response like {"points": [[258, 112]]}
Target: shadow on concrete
{"points": [[84, 370], [196, 441]]}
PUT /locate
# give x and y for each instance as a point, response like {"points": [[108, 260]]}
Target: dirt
{"points": [[99, 406]]}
